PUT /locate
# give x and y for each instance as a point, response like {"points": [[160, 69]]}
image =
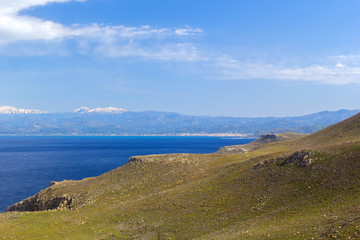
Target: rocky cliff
{"points": [[44, 200]]}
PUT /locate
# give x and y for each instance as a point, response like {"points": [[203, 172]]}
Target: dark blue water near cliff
{"points": [[28, 164]]}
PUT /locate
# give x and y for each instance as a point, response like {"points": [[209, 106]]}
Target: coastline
{"points": [[240, 135]]}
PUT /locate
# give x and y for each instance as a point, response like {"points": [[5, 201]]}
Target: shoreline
{"points": [[242, 136]]}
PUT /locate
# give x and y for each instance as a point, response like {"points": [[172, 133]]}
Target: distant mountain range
{"points": [[100, 110], [118, 121], [14, 110]]}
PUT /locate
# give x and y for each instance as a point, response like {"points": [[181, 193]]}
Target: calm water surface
{"points": [[28, 164]]}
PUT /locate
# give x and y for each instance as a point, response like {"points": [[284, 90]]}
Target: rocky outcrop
{"points": [[268, 138], [176, 157], [234, 149], [263, 139], [136, 159], [41, 203], [299, 158]]}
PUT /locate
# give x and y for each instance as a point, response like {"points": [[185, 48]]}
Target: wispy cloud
{"points": [[111, 41], [168, 51], [331, 73], [188, 31], [145, 42]]}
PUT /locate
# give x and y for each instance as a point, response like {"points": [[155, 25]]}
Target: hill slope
{"points": [[306, 188], [344, 131]]}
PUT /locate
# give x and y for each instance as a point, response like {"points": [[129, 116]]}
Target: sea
{"points": [[29, 163]]}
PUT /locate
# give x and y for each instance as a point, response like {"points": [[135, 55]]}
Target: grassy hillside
{"points": [[304, 188], [345, 131]]}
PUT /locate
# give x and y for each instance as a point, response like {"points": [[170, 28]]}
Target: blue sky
{"points": [[231, 57]]}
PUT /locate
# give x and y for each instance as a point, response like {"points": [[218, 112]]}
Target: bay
{"points": [[29, 163]]}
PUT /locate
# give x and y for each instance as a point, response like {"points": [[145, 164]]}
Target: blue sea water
{"points": [[28, 164]]}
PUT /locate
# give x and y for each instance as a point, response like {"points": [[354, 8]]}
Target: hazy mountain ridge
{"points": [[122, 122]]}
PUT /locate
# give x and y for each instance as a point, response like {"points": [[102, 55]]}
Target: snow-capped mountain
{"points": [[81, 110], [99, 110], [14, 110]]}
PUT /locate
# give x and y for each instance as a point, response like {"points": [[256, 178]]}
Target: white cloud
{"points": [[339, 73], [349, 57], [23, 28], [187, 31], [340, 65], [111, 41], [9, 7]]}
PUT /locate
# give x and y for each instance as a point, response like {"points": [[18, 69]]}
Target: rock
{"points": [[260, 164], [299, 158], [257, 166], [41, 203], [52, 183], [268, 138], [135, 160], [176, 157], [232, 149]]}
